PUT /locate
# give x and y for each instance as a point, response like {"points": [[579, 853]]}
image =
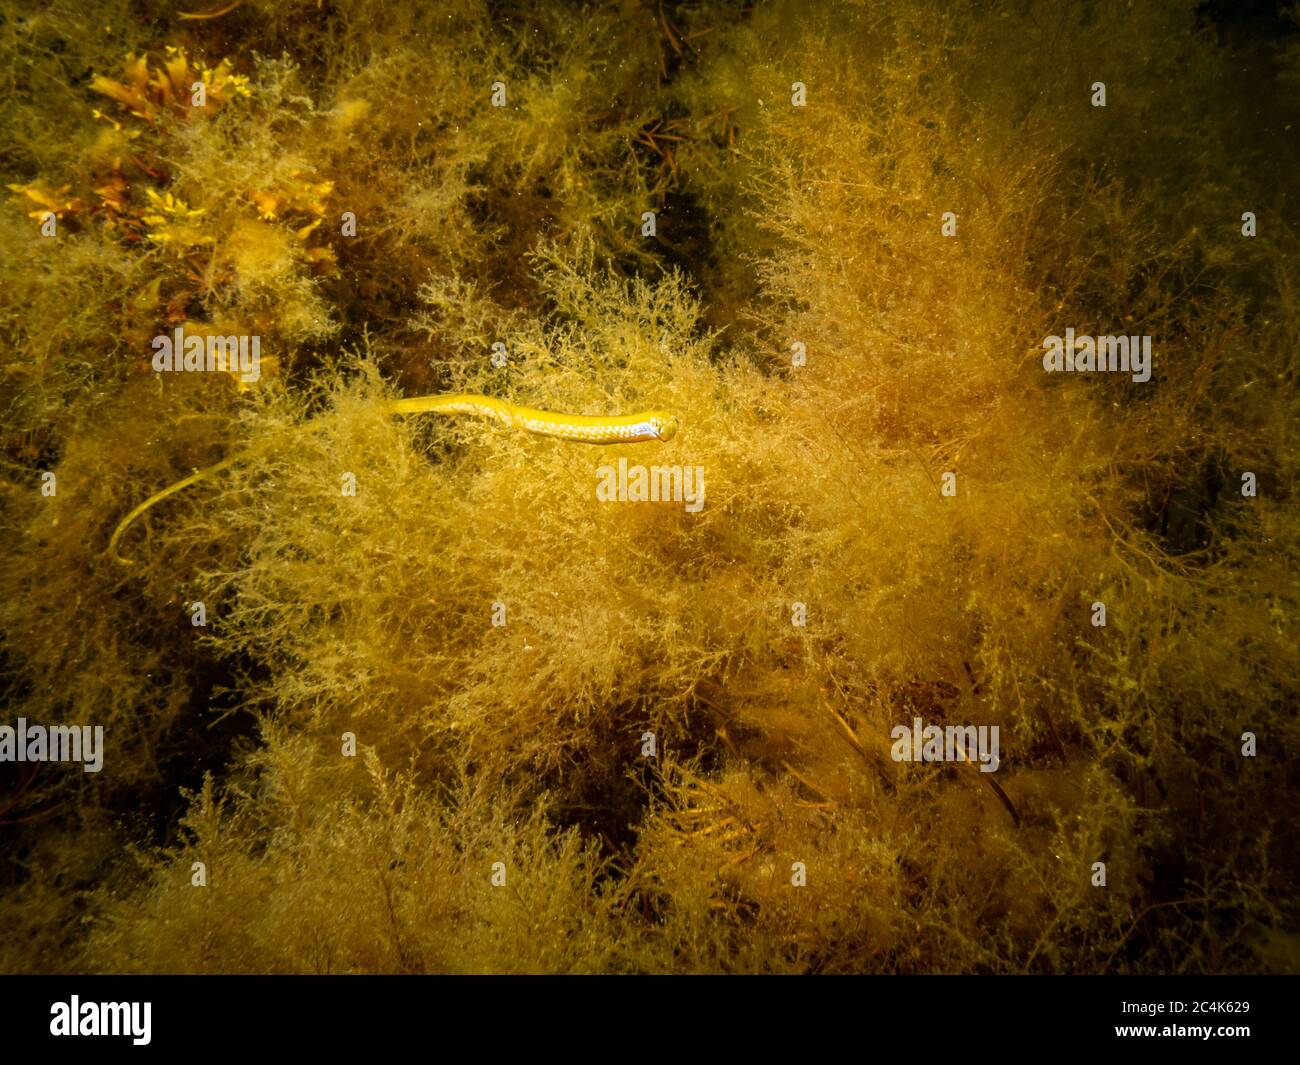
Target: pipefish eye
{"points": [[665, 426]]}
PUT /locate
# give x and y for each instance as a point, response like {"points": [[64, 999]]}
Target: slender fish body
{"points": [[579, 428]]}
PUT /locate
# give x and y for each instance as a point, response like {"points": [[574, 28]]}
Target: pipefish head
{"points": [[663, 425]]}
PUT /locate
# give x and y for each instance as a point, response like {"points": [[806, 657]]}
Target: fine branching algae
{"points": [[958, 665]]}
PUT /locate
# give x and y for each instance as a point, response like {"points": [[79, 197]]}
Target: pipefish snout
{"points": [[578, 428]]}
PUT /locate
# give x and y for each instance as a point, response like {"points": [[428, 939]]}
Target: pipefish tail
{"points": [[198, 16], [578, 428]]}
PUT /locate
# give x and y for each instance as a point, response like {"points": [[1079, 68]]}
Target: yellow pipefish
{"points": [[580, 428]]}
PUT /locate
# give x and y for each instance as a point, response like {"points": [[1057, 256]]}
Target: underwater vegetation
{"points": [[432, 694]]}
